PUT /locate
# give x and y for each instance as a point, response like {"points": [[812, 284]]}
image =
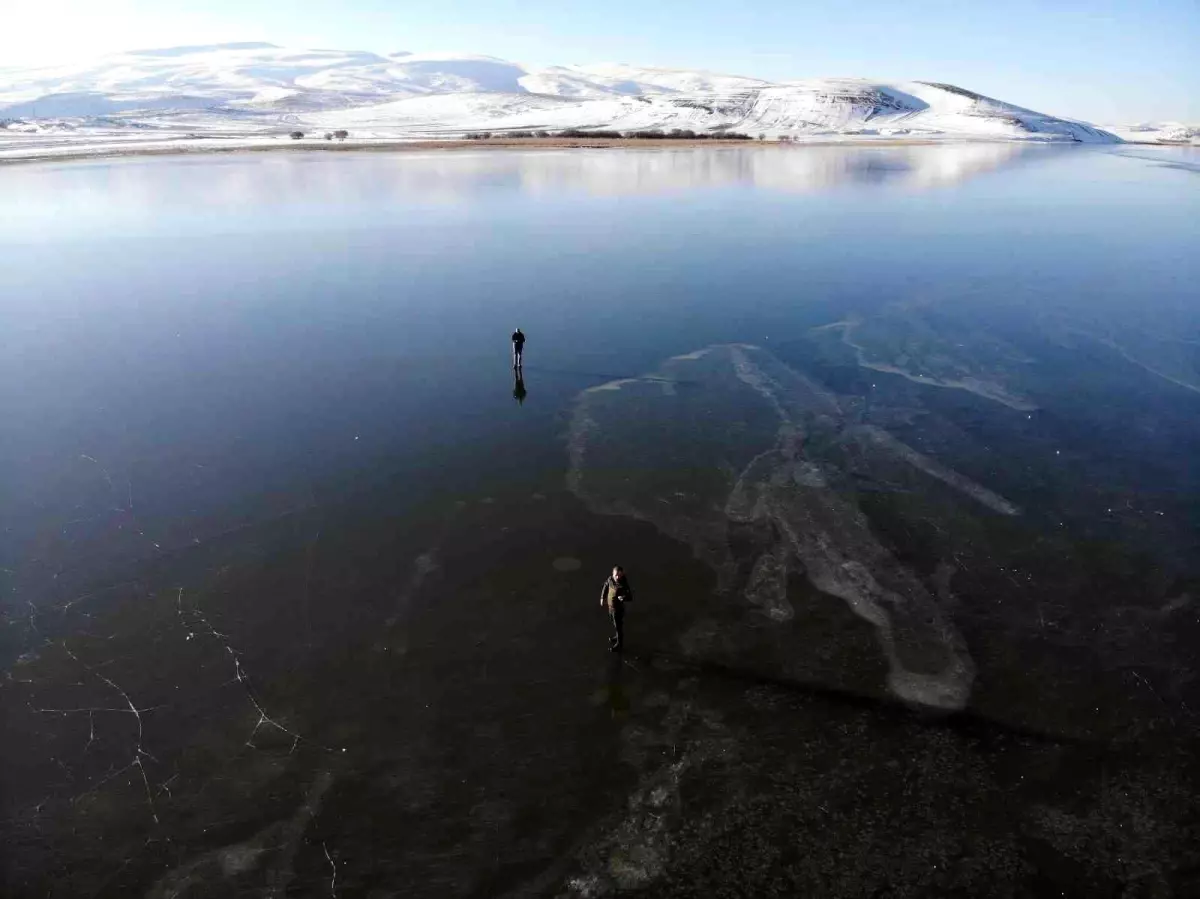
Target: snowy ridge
{"points": [[1158, 132], [261, 90], [816, 108]]}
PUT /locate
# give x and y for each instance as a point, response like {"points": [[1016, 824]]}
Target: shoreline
{"points": [[212, 146]]}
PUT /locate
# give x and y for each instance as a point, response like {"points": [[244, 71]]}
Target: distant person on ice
{"points": [[613, 596], [518, 340]]}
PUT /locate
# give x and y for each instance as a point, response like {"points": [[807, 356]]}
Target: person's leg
{"points": [[618, 620]]}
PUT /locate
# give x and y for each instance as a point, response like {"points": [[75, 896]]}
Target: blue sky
{"points": [[1101, 60]]}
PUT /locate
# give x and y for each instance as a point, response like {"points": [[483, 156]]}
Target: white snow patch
{"points": [[262, 89], [612, 385], [1159, 132]]}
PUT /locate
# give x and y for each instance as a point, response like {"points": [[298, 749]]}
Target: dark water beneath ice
{"points": [[297, 599]]}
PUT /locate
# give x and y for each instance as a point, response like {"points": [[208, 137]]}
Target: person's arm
{"points": [[604, 592]]}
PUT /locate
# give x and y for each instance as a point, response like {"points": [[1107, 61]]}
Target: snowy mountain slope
{"points": [[561, 81], [224, 73], [262, 89], [651, 80], [447, 74], [1157, 132], [824, 107], [221, 73]]}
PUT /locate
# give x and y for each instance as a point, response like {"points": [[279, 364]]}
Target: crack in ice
{"points": [[333, 868], [241, 677], [139, 751], [103, 470]]}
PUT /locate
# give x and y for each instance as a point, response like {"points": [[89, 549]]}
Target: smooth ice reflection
{"points": [[271, 184]]}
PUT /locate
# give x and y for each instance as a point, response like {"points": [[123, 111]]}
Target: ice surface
{"points": [[747, 441]]}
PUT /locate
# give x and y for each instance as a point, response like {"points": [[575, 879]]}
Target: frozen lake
{"points": [[897, 444]]}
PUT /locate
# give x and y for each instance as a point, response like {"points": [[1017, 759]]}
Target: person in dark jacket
{"points": [[613, 596], [518, 342]]}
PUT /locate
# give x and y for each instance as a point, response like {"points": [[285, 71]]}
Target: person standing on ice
{"points": [[613, 596], [518, 342]]}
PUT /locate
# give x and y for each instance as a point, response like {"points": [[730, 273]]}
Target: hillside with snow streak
{"points": [[264, 91]]}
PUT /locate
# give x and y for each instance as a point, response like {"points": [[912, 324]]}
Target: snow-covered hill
{"points": [[255, 89], [1157, 133]]}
